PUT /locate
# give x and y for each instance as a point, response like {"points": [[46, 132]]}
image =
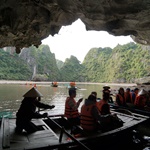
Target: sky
{"points": [[75, 40]]}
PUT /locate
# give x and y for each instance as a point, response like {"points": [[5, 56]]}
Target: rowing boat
{"points": [[132, 109], [54, 85], [55, 133]]}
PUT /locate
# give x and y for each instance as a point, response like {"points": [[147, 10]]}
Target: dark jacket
{"points": [[27, 110]]}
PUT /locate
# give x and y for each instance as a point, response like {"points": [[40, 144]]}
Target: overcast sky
{"points": [[75, 40]]}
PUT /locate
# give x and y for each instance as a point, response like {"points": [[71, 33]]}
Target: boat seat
{"points": [[78, 127], [5, 133], [41, 123]]}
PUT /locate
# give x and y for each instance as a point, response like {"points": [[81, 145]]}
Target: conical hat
{"points": [[33, 93], [142, 92]]}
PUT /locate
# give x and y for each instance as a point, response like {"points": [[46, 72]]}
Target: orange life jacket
{"points": [[72, 84], [69, 112], [100, 104], [130, 95], [87, 121], [121, 98], [140, 101]]}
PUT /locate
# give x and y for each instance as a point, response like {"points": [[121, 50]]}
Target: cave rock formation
{"points": [[26, 22]]}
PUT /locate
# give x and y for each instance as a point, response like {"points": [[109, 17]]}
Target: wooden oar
{"points": [[70, 136]]}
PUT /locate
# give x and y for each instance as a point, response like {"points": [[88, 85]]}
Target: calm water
{"points": [[12, 94]]}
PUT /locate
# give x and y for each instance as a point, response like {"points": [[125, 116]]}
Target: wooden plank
{"points": [[14, 137], [34, 140], [42, 134], [41, 145], [1, 134], [6, 134], [40, 122]]}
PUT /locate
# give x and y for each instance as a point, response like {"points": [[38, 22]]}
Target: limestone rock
{"points": [[26, 22]]}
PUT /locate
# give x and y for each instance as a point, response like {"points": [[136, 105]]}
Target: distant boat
{"points": [[72, 87], [54, 84]]}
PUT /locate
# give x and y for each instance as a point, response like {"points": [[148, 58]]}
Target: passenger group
{"points": [[95, 112], [139, 99]]}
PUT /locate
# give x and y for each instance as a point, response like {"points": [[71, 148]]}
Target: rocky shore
{"points": [[145, 86], [49, 82]]}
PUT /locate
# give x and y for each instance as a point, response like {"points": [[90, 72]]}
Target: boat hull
{"points": [[56, 133]]}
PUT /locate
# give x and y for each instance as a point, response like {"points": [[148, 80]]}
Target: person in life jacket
{"points": [[128, 96], [120, 97], [27, 111], [141, 99], [92, 120], [90, 116], [71, 108], [134, 94], [108, 89], [103, 105]]}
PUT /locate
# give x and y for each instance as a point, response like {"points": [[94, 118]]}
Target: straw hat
{"points": [[33, 93], [142, 92]]}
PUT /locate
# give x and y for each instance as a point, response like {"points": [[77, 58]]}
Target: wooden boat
{"points": [[54, 84], [55, 133], [132, 109]]}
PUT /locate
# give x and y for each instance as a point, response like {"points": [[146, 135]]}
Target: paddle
{"points": [[69, 135]]}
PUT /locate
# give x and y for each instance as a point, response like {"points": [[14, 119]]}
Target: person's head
{"points": [[128, 90], [106, 87], [106, 91], [94, 93], [72, 92], [136, 90], [121, 90], [92, 98]]}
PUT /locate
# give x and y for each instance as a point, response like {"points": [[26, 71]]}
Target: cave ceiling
{"points": [[26, 22]]}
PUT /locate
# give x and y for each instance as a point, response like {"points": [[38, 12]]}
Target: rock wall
{"points": [[26, 22]]}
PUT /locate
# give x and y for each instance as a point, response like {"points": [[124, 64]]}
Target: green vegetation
{"points": [[124, 63], [12, 67], [71, 70]]}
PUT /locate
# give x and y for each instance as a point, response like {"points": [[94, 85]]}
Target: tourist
{"points": [[103, 105], [92, 120], [128, 96], [141, 99], [71, 107], [120, 97], [134, 94], [90, 116], [108, 89]]}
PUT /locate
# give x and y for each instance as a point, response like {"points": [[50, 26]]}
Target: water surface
{"points": [[12, 94]]}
